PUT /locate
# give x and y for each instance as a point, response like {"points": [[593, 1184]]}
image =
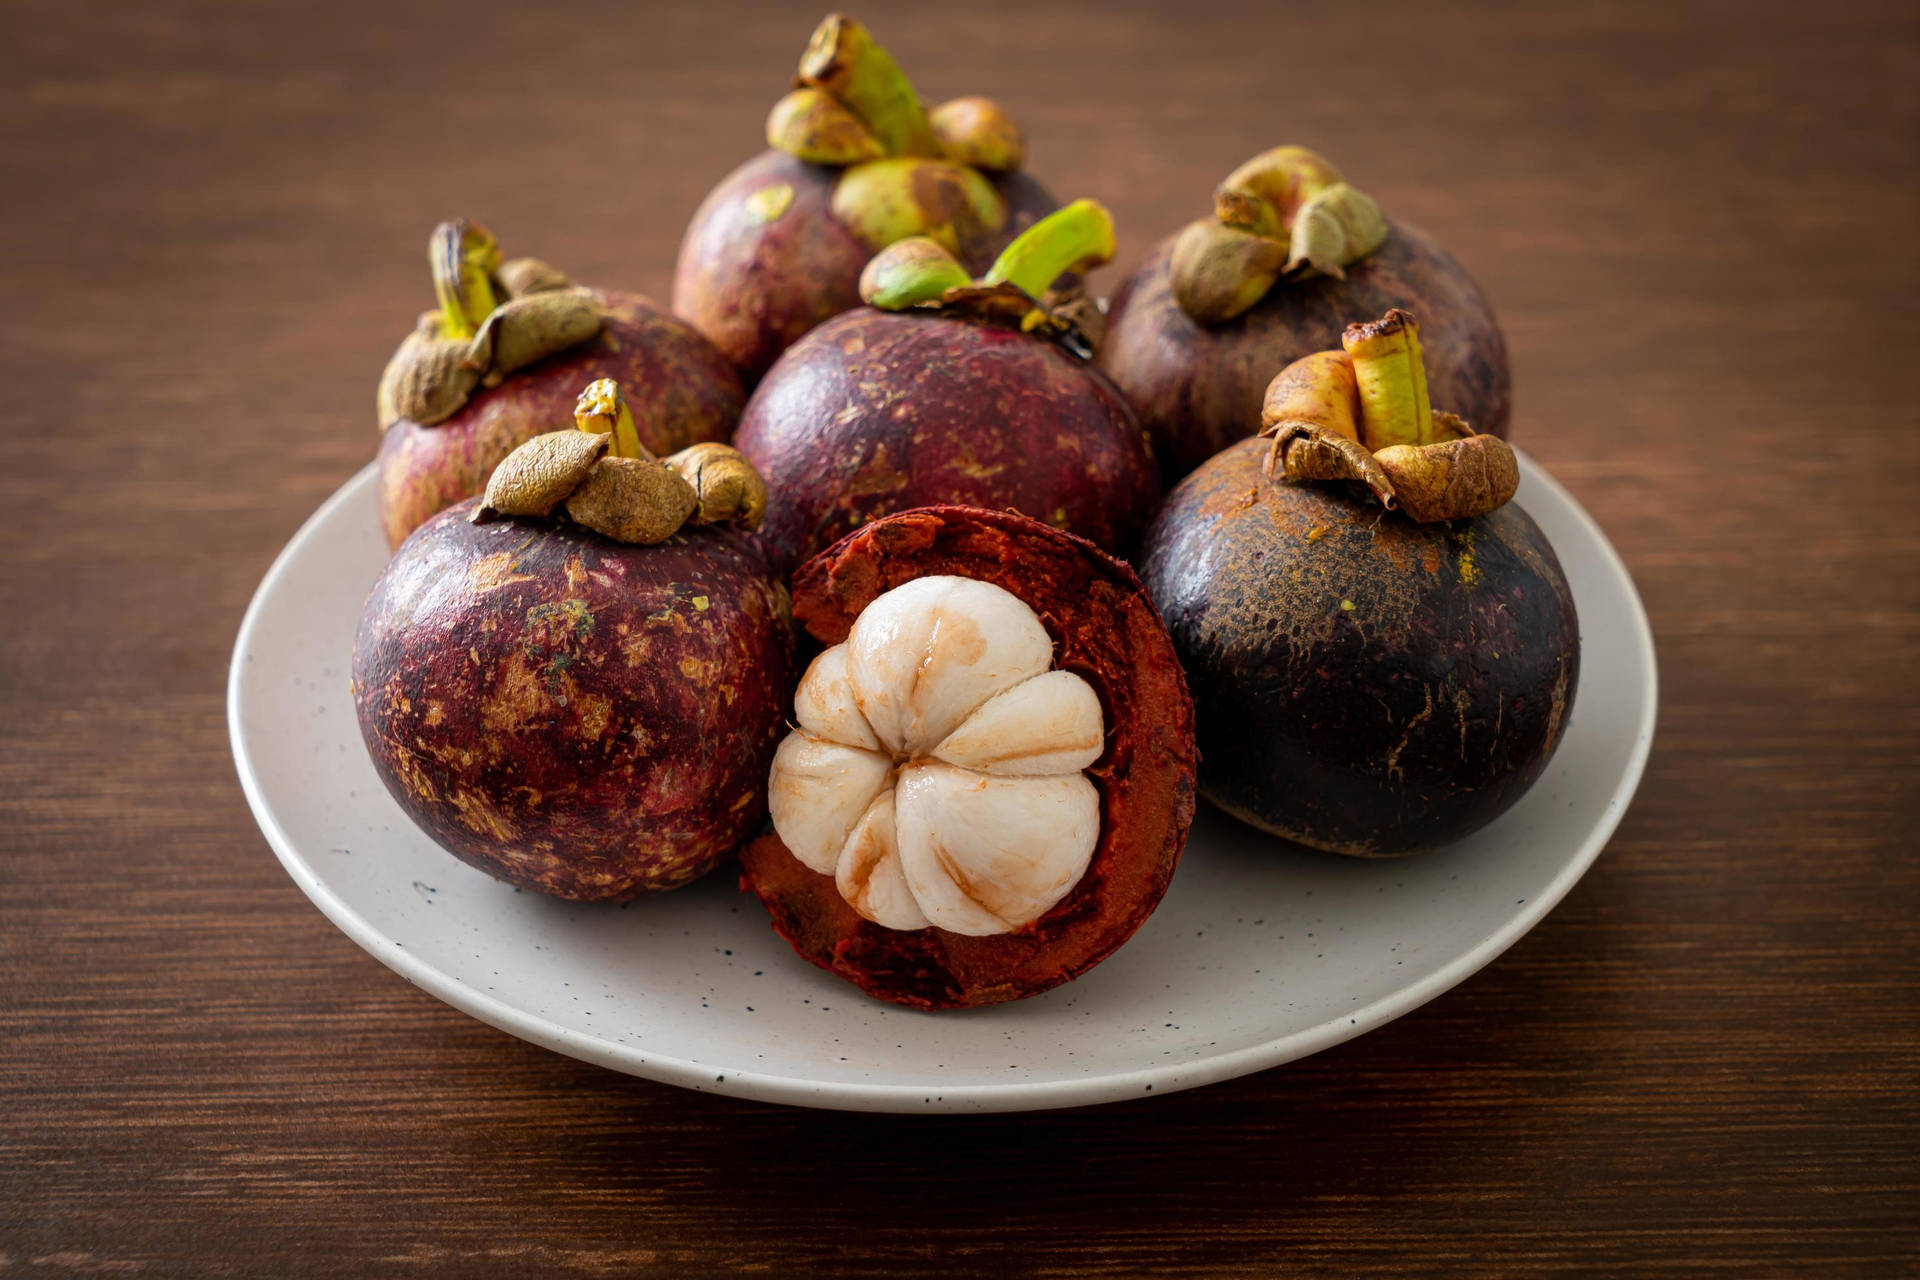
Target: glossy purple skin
{"points": [[682, 391], [874, 413], [1362, 683], [753, 287], [570, 714], [1198, 389]]}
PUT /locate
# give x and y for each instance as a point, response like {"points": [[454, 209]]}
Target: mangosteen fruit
{"points": [[577, 682], [992, 773], [945, 390], [500, 360], [1291, 254], [856, 163], [1382, 647]]}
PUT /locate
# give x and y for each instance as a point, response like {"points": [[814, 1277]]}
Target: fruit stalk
{"points": [[844, 61], [1391, 373], [603, 410], [463, 256]]}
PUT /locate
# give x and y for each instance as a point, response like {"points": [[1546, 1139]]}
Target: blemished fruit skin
{"points": [[1364, 684], [582, 717], [754, 280], [875, 413], [1198, 389], [681, 389], [1104, 629]]}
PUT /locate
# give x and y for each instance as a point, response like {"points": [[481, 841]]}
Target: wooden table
{"points": [[1697, 223]]}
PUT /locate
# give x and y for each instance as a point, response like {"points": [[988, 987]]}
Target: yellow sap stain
{"points": [[495, 571], [768, 204]]}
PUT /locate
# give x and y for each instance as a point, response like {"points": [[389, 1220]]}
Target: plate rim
{"points": [[668, 1068]]}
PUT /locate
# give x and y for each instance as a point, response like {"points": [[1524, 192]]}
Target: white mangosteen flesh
{"points": [[938, 773]]}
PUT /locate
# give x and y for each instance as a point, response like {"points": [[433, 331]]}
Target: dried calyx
{"points": [[937, 773], [1362, 414], [1286, 213], [494, 317], [602, 477], [908, 171], [918, 273]]}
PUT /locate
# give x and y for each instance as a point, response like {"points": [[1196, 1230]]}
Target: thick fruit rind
{"points": [[682, 391], [1104, 629], [764, 260], [1364, 684], [1198, 389], [570, 714], [875, 413]]}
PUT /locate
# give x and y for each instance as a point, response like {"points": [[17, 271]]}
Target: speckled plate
{"points": [[1261, 953]]}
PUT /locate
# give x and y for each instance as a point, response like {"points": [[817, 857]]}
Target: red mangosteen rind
{"points": [[875, 413], [574, 715], [764, 260], [857, 164], [683, 391], [952, 390], [1364, 684], [1197, 388], [1106, 631]]}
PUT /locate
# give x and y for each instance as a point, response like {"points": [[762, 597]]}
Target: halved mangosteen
{"points": [[992, 775]]}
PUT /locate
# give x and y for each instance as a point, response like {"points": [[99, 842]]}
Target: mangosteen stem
{"points": [[463, 257], [844, 61], [1075, 238], [1390, 370], [603, 410]]}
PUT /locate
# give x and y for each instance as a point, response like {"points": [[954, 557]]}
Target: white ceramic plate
{"points": [[1262, 952]]}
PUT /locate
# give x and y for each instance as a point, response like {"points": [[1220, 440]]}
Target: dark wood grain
{"points": [[1698, 224]]}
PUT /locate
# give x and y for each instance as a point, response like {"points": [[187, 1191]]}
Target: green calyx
{"points": [[921, 272], [1286, 213], [906, 171], [888, 200], [852, 103]]}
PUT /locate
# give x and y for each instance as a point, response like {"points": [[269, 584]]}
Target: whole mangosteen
{"points": [[1382, 648], [501, 359], [577, 683], [857, 163], [948, 391], [1291, 254], [992, 775]]}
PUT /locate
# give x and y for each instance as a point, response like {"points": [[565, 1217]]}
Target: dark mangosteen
{"points": [[857, 163], [500, 360], [1291, 254], [1368, 681], [993, 771], [585, 706], [948, 391]]}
